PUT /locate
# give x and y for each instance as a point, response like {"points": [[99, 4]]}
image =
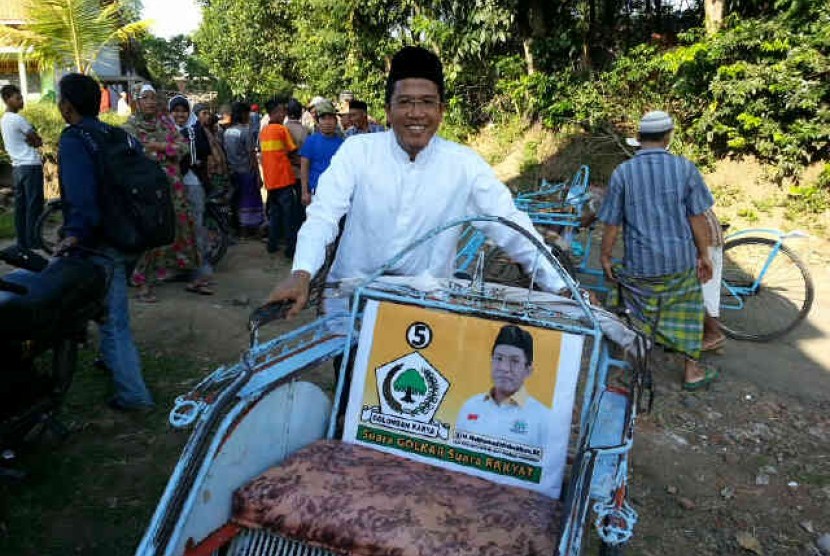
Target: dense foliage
{"points": [[167, 59], [329, 46], [759, 86], [756, 82], [244, 45]]}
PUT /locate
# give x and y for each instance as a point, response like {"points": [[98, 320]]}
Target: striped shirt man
{"points": [[652, 196]]}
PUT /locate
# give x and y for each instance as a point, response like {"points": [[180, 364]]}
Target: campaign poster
{"points": [[477, 396]]}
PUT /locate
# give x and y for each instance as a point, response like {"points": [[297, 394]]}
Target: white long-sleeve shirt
{"points": [[391, 201]]}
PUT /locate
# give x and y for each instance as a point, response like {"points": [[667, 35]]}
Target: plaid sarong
{"points": [[674, 302]]}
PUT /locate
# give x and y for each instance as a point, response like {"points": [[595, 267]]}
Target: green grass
{"points": [[749, 214], [530, 157], [7, 225], [495, 142], [94, 493]]}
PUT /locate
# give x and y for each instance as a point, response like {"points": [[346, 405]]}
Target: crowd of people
{"points": [[320, 171]]}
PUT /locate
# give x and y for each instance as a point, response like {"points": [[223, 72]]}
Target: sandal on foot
{"points": [[201, 289], [710, 375]]}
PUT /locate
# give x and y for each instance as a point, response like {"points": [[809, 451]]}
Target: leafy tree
{"points": [[410, 382], [347, 44], [73, 32], [245, 44], [167, 59], [758, 86]]}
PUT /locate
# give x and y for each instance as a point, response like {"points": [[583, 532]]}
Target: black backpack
{"points": [[134, 194]]}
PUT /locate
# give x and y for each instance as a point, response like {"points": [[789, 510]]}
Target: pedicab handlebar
{"points": [[265, 314]]}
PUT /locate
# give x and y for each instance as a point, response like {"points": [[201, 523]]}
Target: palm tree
{"points": [[63, 32]]}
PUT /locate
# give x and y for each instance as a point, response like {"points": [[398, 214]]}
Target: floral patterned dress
{"points": [[182, 255]]}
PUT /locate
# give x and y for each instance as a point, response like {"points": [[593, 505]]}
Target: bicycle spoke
{"points": [[782, 298]]}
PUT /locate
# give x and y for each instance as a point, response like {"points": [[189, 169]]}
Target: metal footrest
{"points": [[259, 542]]}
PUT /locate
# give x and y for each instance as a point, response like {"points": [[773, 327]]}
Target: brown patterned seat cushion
{"points": [[358, 501]]}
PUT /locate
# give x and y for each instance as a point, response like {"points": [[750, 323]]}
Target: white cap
{"points": [[656, 121], [146, 87]]}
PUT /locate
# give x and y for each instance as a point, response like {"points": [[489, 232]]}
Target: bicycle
{"points": [[216, 222], [766, 289]]}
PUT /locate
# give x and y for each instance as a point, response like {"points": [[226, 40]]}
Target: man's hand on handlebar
{"points": [[294, 288]]}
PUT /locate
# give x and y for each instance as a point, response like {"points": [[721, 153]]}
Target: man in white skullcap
{"points": [[659, 200]]}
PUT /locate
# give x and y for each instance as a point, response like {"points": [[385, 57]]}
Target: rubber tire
{"points": [[220, 224], [51, 209], [27, 423], [808, 282]]}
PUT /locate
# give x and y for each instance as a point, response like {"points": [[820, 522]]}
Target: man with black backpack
{"points": [[84, 184]]}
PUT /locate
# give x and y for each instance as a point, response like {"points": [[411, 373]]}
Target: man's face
{"points": [[180, 115], [346, 120], [204, 118], [277, 115], [358, 118], [415, 111], [65, 109], [327, 124], [15, 102], [509, 369]]}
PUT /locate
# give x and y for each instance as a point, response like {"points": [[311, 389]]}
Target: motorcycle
{"points": [[45, 306]]}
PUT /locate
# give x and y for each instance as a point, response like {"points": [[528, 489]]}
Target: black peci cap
{"points": [[415, 62]]}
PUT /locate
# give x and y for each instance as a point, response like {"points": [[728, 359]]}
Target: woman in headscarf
{"points": [[216, 179], [194, 172], [163, 143]]}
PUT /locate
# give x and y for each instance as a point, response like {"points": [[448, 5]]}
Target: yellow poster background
{"points": [[460, 349]]}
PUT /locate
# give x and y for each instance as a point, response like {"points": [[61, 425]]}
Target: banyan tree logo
{"points": [[411, 391]]}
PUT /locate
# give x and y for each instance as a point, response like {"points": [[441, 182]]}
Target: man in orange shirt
{"points": [[276, 144]]}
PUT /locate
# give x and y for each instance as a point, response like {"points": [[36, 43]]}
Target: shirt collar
{"points": [[518, 399], [652, 150], [402, 156]]}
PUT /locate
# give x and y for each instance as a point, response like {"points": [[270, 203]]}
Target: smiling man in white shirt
{"points": [[396, 186]]}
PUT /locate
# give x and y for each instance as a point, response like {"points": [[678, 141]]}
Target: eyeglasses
{"points": [[426, 104]]}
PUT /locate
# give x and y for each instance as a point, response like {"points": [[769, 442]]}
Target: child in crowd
{"points": [[318, 149]]}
